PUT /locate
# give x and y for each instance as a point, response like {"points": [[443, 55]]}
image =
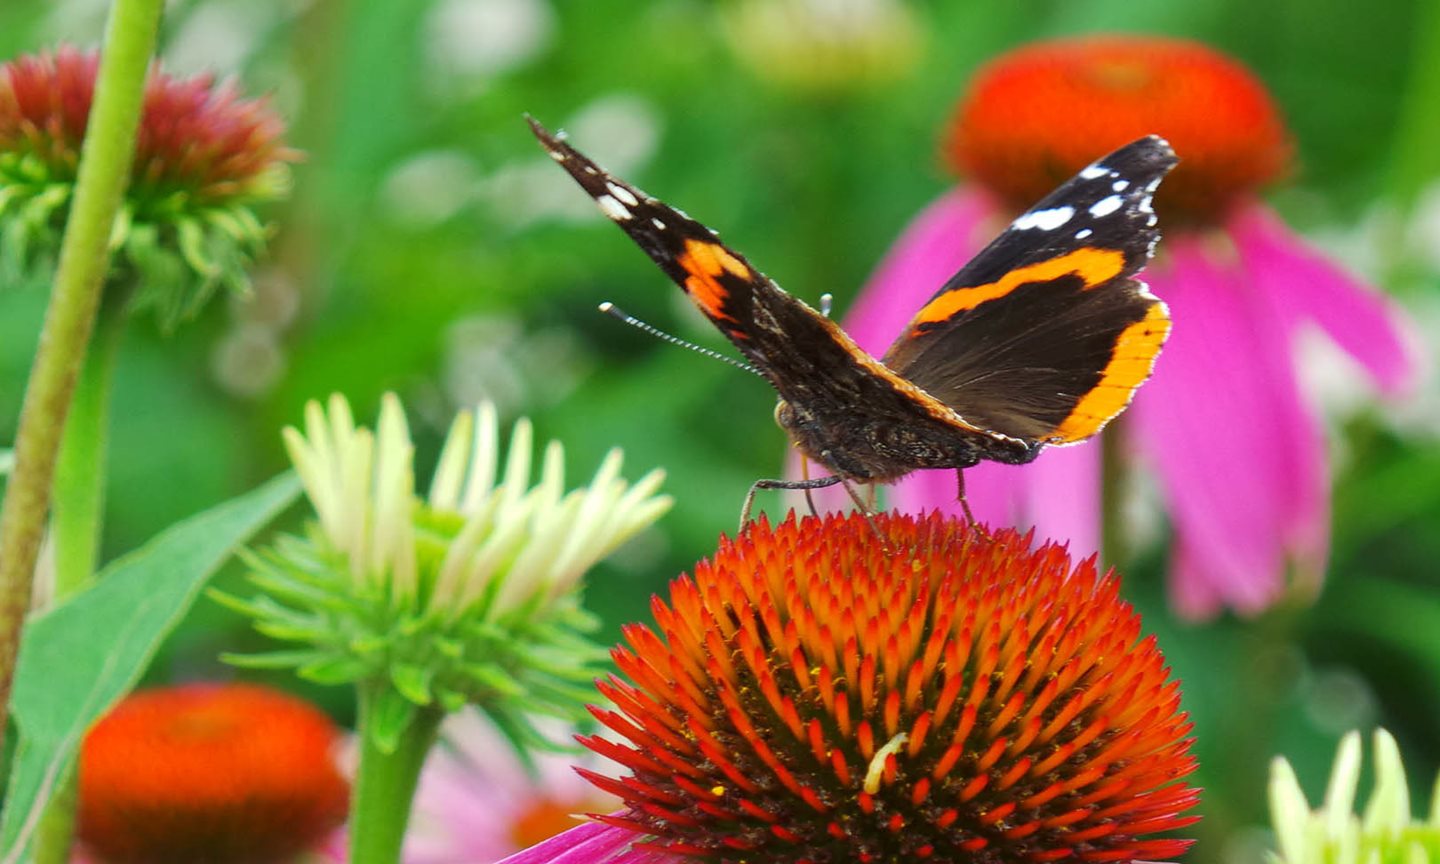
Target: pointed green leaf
{"points": [[78, 659]]}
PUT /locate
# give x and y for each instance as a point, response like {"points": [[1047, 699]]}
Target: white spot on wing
{"points": [[623, 194], [657, 223], [1045, 220], [1093, 172], [557, 155], [1105, 206], [1120, 185], [612, 208], [1083, 233]]}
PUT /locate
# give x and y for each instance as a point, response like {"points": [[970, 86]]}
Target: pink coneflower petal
{"points": [[938, 242], [1058, 495], [591, 843], [1222, 422], [1308, 287]]}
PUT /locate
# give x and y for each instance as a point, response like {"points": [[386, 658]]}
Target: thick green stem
{"points": [[1416, 159], [78, 513], [105, 160], [1114, 482], [76, 521], [385, 782]]}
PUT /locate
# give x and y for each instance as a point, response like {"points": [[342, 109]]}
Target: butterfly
{"points": [[1040, 340]]}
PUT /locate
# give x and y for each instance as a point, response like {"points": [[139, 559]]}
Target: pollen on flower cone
{"points": [[818, 693], [1035, 116], [209, 774]]}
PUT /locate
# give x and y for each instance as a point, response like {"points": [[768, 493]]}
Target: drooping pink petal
{"points": [[933, 246], [590, 843], [1306, 286], [1058, 495], [1240, 458]]}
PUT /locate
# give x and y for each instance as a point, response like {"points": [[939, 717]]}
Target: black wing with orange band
{"points": [[1045, 335]]}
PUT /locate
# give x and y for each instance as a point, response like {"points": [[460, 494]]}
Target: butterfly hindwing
{"points": [[1045, 335]]}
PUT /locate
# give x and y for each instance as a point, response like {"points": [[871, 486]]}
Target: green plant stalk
{"points": [[77, 517], [1416, 161], [385, 782], [76, 522], [1114, 483], [104, 171]]}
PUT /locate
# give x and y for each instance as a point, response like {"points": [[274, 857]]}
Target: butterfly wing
{"points": [[1045, 335], [809, 360]]}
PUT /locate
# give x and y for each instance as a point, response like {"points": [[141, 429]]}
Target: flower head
{"points": [[918, 689], [1333, 833], [1035, 116], [209, 772], [466, 596], [1224, 419], [203, 157]]}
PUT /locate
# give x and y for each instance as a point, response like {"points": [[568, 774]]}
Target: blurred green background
{"points": [[431, 249]]}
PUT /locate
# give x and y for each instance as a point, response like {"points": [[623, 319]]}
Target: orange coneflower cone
{"points": [[920, 690], [209, 774]]}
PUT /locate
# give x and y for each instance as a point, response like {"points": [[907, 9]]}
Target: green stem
{"points": [[1416, 159], [385, 782], [77, 520], [105, 160], [1114, 481], [78, 516]]}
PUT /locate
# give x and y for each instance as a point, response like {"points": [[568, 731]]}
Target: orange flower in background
{"points": [[821, 692], [220, 773], [1232, 439], [1106, 91]]}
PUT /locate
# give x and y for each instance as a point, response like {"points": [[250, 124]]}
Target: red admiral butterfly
{"points": [[1041, 339]]}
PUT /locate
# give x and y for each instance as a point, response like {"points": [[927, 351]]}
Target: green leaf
{"points": [[393, 713], [78, 659]]}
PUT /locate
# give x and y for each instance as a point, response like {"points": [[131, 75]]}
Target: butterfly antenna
{"points": [[620, 314]]}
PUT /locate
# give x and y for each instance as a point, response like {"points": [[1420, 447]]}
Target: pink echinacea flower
{"points": [[1235, 444]]}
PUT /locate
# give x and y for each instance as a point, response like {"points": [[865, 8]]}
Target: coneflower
{"points": [[909, 690]]}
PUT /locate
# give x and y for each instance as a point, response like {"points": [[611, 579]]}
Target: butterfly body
{"points": [[1040, 340]]}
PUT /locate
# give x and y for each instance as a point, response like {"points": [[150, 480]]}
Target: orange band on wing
{"points": [[704, 261], [1092, 264], [1129, 366]]}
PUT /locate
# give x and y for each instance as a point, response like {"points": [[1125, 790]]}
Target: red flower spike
{"points": [[194, 136], [1037, 115], [227, 774], [937, 694]]}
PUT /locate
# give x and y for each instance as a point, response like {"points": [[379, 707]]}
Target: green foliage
{"points": [[519, 663], [78, 659]]}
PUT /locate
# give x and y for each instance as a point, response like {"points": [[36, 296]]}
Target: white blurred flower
{"points": [[469, 595], [511, 544], [1386, 833]]}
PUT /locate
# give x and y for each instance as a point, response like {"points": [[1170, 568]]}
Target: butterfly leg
{"points": [[817, 483], [960, 495]]}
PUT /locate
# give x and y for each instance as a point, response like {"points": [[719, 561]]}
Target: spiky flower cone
{"points": [[818, 693]]}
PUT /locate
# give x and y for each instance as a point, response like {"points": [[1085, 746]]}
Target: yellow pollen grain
{"points": [[877, 763], [717, 791]]}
